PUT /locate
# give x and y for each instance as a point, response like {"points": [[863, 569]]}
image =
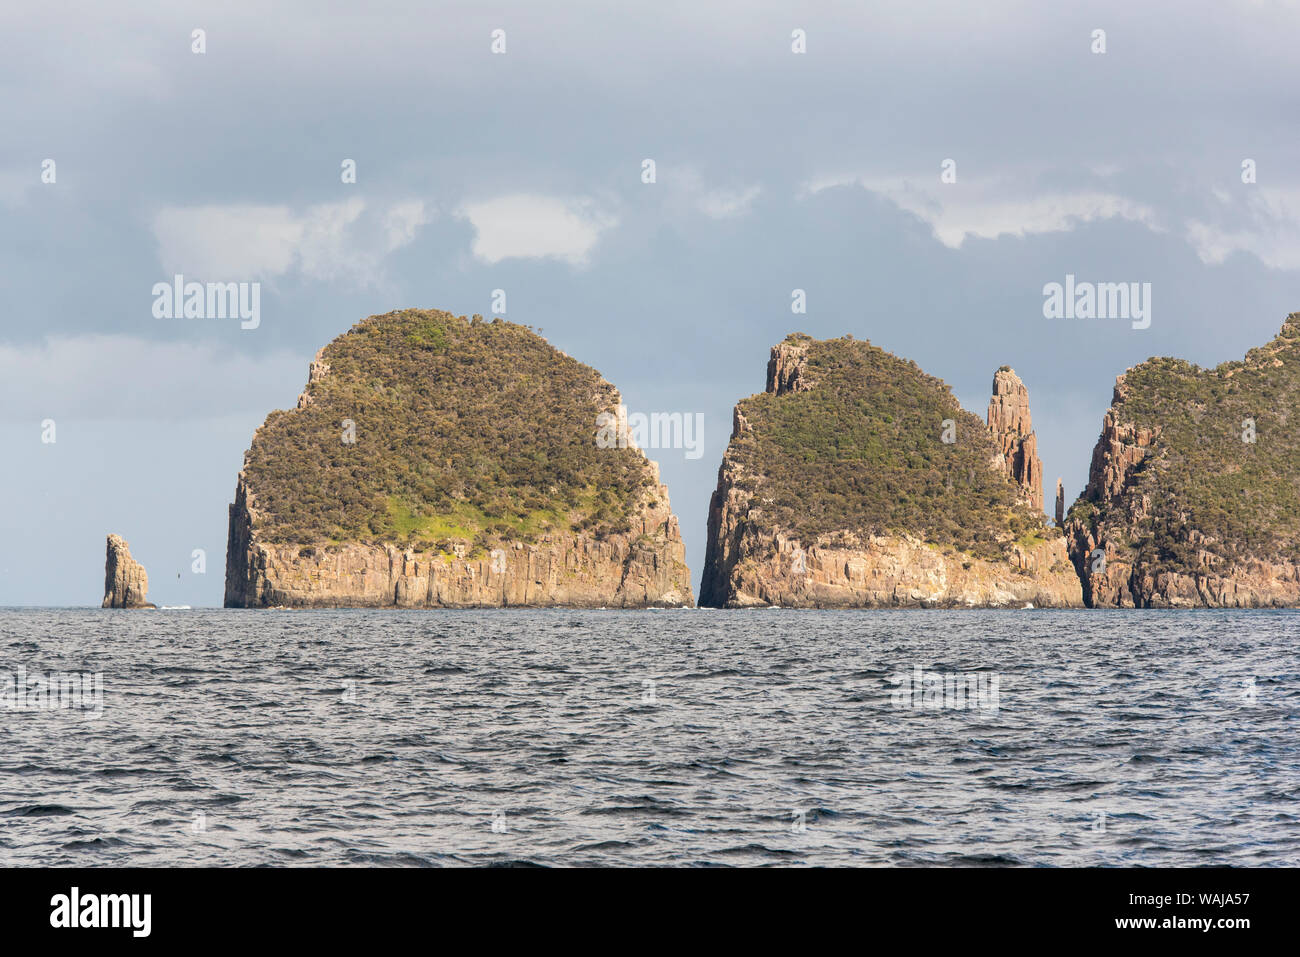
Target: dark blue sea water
{"points": [[690, 737]]}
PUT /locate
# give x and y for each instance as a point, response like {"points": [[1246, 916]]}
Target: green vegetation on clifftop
{"points": [[466, 430], [862, 452], [1207, 488]]}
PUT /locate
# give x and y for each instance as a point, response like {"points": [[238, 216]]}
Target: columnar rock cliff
{"points": [[440, 461], [855, 480], [125, 583], [1193, 497], [1012, 429]]}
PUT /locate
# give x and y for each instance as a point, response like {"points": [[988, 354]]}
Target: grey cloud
{"points": [[681, 292]]}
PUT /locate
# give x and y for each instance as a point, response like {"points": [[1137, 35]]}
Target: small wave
{"points": [[94, 844], [40, 810]]}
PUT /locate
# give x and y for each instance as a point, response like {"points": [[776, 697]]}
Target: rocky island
{"points": [[856, 480], [1193, 496], [444, 461], [125, 583]]}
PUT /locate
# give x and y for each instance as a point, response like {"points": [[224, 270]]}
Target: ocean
{"points": [[646, 738]]}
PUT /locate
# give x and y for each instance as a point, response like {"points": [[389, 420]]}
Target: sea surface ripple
{"points": [[691, 737]]}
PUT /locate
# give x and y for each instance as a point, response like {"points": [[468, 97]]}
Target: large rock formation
{"points": [[1012, 429], [439, 461], [856, 480], [1192, 497], [125, 583]]}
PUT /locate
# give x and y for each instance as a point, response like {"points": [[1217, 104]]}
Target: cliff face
{"points": [[643, 567], [762, 569], [125, 583], [1192, 498], [435, 461], [856, 480]]}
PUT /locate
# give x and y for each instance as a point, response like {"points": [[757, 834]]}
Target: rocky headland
{"points": [[1193, 495]]}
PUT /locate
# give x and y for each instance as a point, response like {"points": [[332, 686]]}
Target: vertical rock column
{"points": [[125, 583], [1011, 427]]}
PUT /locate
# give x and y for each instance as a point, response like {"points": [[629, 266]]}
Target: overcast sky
{"points": [[522, 171]]}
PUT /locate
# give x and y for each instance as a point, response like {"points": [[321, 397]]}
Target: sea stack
{"points": [[125, 583], [1192, 497], [444, 461], [1060, 503], [1012, 429], [856, 480]]}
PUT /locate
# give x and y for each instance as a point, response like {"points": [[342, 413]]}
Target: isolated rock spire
{"points": [[125, 583], [1010, 425]]}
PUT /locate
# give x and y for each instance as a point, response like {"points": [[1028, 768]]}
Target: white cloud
{"points": [[127, 377], [689, 195], [726, 203], [328, 241], [528, 226], [1262, 221], [403, 221], [988, 210], [227, 241]]}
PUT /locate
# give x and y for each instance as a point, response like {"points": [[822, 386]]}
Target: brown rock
{"points": [[787, 369], [125, 583], [1009, 423], [643, 567], [845, 571]]}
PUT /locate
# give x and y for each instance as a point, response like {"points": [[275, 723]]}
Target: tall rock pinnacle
{"points": [[1011, 428], [125, 583], [1060, 503]]}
